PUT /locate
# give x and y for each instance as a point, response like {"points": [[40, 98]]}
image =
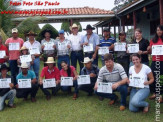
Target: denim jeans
{"points": [[90, 56], [10, 95], [67, 88], [65, 58], [123, 92], [137, 99], [77, 56], [36, 67], [14, 69]]}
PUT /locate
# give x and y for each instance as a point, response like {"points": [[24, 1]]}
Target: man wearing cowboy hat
{"points": [[91, 70], [49, 72], [32, 43], [91, 38], [77, 52], [6, 93], [27, 74], [14, 53]]}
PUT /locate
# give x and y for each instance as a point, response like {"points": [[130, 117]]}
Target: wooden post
{"points": [[123, 23], [97, 30], [102, 30], [134, 20], [70, 22], [161, 11], [114, 32]]}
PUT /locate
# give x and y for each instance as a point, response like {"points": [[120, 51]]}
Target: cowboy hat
{"points": [[23, 48], [50, 60], [24, 65], [14, 30], [87, 60], [4, 66], [89, 27], [31, 33], [74, 26]]}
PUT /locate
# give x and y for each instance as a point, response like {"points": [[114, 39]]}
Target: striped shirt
{"points": [[118, 73]]}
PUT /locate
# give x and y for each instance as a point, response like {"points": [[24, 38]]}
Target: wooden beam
{"points": [[115, 32], [134, 19], [161, 11]]}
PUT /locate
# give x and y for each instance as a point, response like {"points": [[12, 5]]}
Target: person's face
{"points": [[89, 31], [24, 70], [4, 71], [47, 35], [74, 30], [14, 35], [88, 65], [61, 35], [64, 66], [109, 63], [106, 33], [122, 37], [159, 32], [50, 65], [138, 35], [136, 61], [24, 52], [31, 37]]}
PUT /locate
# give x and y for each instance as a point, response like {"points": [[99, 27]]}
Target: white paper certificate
{"points": [[25, 58], [137, 81], [24, 83], [66, 81], [119, 46], [84, 79], [14, 46], [133, 48], [34, 50], [2, 54], [88, 48], [48, 83], [48, 46], [62, 46], [103, 50], [104, 87], [4, 83], [157, 50]]}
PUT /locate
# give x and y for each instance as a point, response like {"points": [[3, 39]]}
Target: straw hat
{"points": [[31, 33], [14, 30], [24, 65], [74, 26], [23, 48], [87, 60], [50, 60]]}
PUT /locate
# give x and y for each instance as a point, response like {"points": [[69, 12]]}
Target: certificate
{"points": [[25, 58], [133, 48], [24, 83], [157, 50], [62, 46], [66, 81], [119, 46], [48, 83], [103, 50], [137, 81], [2, 54], [83, 79], [48, 46], [14, 46], [104, 87], [4, 83], [34, 50], [88, 48]]}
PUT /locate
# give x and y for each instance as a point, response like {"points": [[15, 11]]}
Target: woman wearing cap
{"points": [[47, 39], [69, 71]]}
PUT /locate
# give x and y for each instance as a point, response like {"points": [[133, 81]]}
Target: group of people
{"points": [[119, 67]]}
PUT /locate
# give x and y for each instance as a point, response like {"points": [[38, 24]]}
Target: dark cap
{"points": [[106, 29], [122, 33]]}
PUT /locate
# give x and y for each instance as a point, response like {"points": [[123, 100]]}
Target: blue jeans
{"points": [[65, 58], [10, 95], [14, 69], [90, 56], [123, 92], [36, 67], [67, 88], [137, 99]]}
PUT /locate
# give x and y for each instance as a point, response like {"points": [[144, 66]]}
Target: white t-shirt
{"points": [[145, 70]]}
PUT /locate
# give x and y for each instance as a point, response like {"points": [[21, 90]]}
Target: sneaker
{"points": [[113, 101], [122, 108], [12, 106], [146, 109], [75, 96]]}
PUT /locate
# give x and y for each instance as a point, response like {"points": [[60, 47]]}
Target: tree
{"points": [[120, 4]]}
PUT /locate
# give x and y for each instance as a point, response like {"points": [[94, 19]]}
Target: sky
{"points": [[102, 4]]}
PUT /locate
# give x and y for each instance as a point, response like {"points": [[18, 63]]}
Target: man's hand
{"points": [[68, 46], [94, 56], [146, 83], [140, 52], [85, 43], [41, 82], [92, 75], [54, 46], [43, 46], [96, 85], [11, 85], [115, 86], [58, 81]]}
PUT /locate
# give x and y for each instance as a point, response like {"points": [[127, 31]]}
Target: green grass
{"points": [[61, 108]]}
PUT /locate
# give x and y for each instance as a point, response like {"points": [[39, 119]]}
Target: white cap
{"points": [[87, 60], [14, 30], [24, 65]]}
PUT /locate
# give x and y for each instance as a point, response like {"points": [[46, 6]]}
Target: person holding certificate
{"points": [[50, 72], [92, 71], [26, 83], [14, 44], [157, 62], [63, 49], [69, 71], [141, 77], [89, 44], [7, 90], [48, 45], [35, 48], [112, 73]]}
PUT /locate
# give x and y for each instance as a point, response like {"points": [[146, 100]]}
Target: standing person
{"points": [[14, 53], [138, 95], [92, 71], [91, 38], [63, 49], [3, 48], [107, 41], [113, 73], [157, 64], [49, 72], [7, 93], [47, 39], [77, 52], [32, 43]]}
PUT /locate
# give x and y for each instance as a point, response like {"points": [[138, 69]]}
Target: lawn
{"points": [[61, 108]]}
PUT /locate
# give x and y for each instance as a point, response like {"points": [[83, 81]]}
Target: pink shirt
{"points": [[14, 54], [64, 73]]}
